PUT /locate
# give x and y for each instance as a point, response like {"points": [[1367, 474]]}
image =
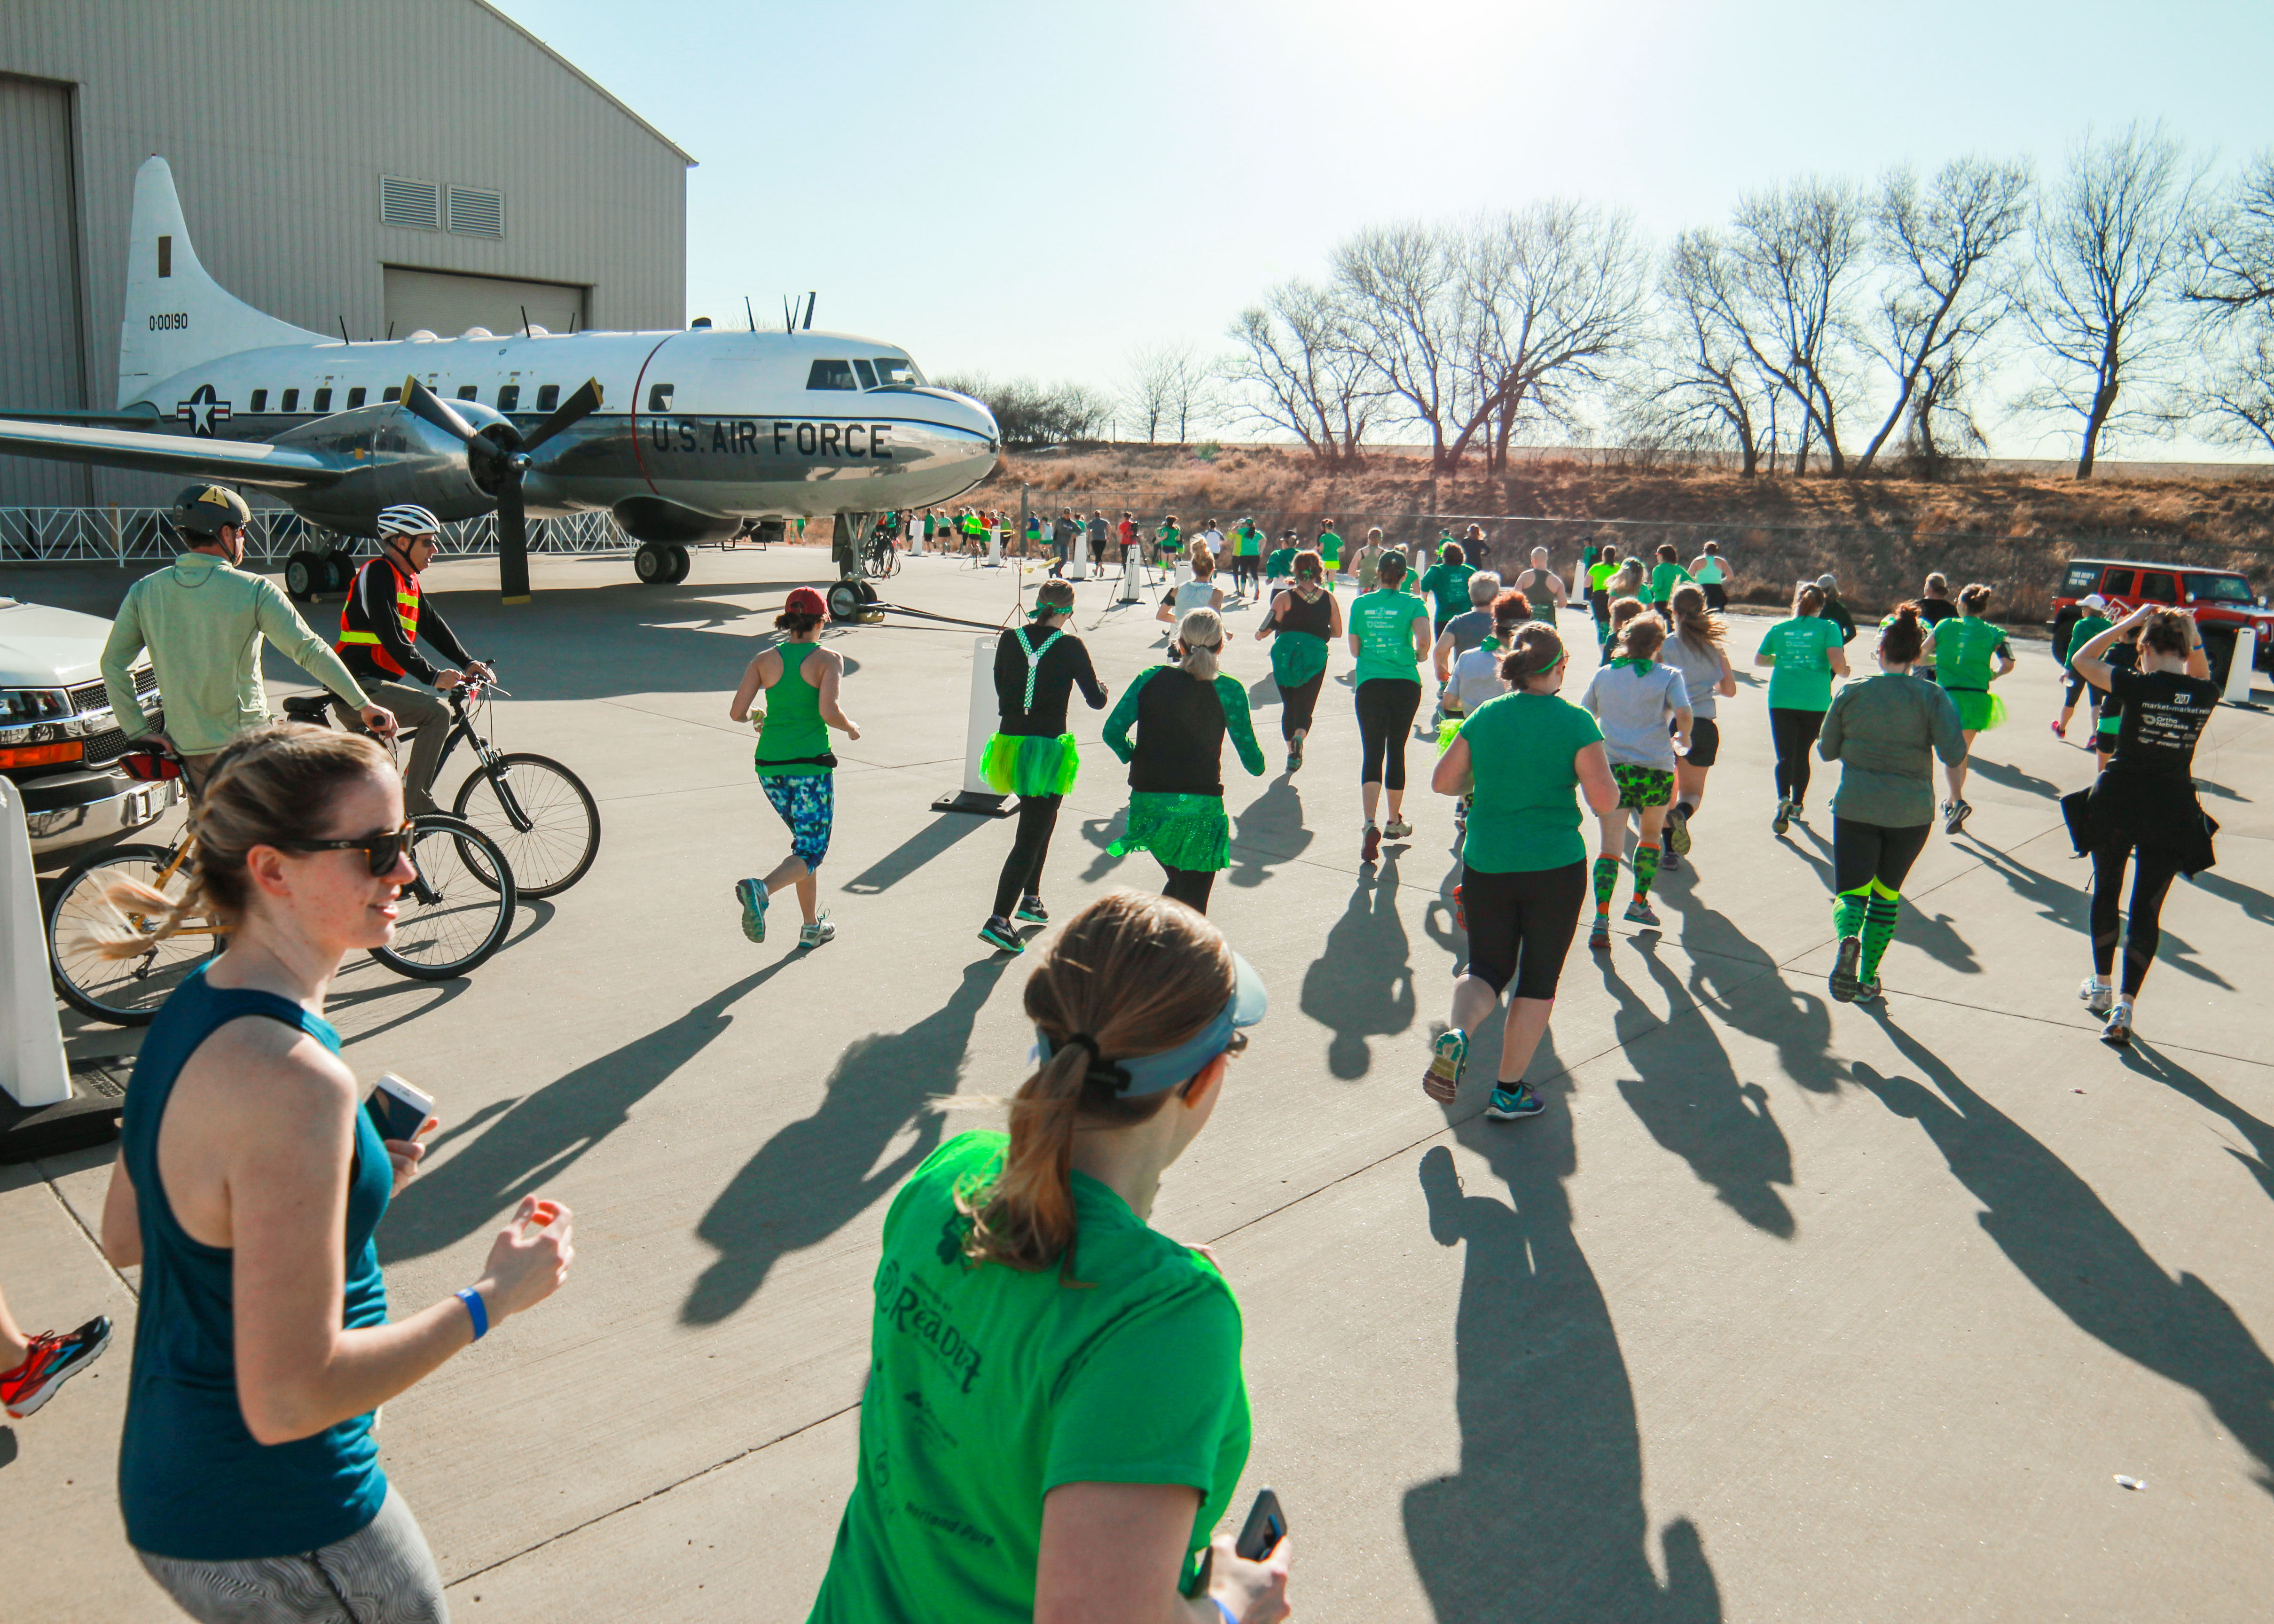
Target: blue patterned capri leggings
{"points": [[807, 803], [382, 1573]]}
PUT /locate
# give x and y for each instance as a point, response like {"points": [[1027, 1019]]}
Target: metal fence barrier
{"points": [[132, 535]]}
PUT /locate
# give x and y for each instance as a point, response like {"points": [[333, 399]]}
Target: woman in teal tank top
{"points": [[247, 1474], [795, 765]]}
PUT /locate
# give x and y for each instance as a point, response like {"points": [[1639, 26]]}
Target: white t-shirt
{"points": [[1476, 678], [1195, 594], [1215, 540], [1633, 710]]}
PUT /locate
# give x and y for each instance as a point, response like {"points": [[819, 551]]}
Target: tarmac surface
{"points": [[1785, 1310]]}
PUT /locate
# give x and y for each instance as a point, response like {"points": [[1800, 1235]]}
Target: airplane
{"points": [[685, 436]]}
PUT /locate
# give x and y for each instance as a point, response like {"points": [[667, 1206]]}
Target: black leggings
{"points": [[2151, 876], [1022, 869], [1861, 852], [1520, 926], [1386, 706], [1794, 732], [1189, 886], [1298, 705]]}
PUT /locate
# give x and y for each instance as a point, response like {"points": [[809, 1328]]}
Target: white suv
{"points": [[58, 740]]}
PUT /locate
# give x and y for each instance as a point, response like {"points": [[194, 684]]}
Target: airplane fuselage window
{"points": [[830, 375], [659, 397], [509, 397], [896, 371], [259, 400], [355, 398], [322, 403], [291, 401], [868, 374], [548, 396], [467, 392]]}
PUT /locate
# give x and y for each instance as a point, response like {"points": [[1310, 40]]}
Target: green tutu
{"points": [[1977, 713], [1297, 658], [1030, 767], [1449, 730], [1183, 831]]}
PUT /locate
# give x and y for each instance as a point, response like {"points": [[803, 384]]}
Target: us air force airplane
{"points": [[684, 436]]}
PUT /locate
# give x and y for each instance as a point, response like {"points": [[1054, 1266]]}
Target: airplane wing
{"points": [[141, 415], [241, 462]]}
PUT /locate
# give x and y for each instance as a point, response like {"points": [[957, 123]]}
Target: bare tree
{"points": [[1031, 414], [1943, 246], [2230, 283], [2111, 245], [1301, 367], [2232, 397], [1192, 393], [1149, 386], [2231, 248], [1700, 387]]}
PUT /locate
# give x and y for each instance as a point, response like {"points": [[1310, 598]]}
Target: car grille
{"points": [[105, 746], [91, 697]]}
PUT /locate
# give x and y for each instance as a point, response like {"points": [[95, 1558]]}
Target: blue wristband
{"points": [[1229, 1617], [480, 1315]]}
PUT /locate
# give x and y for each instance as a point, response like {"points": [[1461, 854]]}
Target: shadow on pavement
{"points": [[1547, 1412], [1362, 985], [815, 1175], [1268, 832], [2143, 1058], [2075, 1252], [918, 850]]}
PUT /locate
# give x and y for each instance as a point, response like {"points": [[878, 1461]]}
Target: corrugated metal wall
{"points": [[278, 118], [41, 334]]}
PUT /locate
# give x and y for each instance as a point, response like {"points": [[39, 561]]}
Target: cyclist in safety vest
{"points": [[379, 628]]}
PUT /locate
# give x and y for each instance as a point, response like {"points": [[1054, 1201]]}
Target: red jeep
{"points": [[2225, 607]]}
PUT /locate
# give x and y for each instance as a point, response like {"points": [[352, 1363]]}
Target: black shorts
{"points": [[1705, 742], [1716, 599], [1521, 925]]}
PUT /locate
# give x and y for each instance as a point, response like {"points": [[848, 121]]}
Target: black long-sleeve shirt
{"points": [[371, 607], [1064, 664]]}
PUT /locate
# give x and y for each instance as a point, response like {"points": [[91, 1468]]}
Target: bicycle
{"points": [[879, 557], [533, 807], [451, 917]]}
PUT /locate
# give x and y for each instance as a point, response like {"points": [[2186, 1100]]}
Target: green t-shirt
{"points": [[1963, 649], [1599, 576], [989, 1386], [1664, 579], [1803, 678], [1449, 585], [1247, 543], [1526, 815], [1167, 537], [2088, 626], [1330, 548], [1382, 620], [1281, 562]]}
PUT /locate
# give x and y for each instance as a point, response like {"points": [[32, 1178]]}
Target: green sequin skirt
{"points": [[1182, 832], [1030, 767]]}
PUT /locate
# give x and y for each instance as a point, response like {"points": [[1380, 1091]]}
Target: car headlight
{"points": [[22, 705]]}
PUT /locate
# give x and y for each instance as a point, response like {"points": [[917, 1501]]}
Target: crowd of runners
{"points": [[1068, 1420]]}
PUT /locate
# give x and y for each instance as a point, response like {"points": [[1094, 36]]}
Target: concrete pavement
{"points": [[1784, 1310]]}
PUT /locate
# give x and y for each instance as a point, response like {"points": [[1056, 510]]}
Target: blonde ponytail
{"points": [[1200, 633]]}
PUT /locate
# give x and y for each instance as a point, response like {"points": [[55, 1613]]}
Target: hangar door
{"points": [[447, 305], [40, 331]]}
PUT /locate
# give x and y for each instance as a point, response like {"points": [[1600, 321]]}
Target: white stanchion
{"points": [[1129, 568], [994, 548], [2239, 667], [1078, 565], [979, 727], [31, 1066], [915, 538]]}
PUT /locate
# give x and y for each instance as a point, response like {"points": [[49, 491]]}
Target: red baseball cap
{"points": [[805, 600]]}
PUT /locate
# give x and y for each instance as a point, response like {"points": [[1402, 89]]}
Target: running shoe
{"points": [[2059, 732], [1370, 845], [1677, 835], [1844, 979], [1031, 909], [1868, 991], [1638, 913], [1449, 1058], [1294, 760], [1668, 863], [2098, 995], [998, 933], [752, 895], [822, 929], [1398, 828], [1508, 1104], [1460, 911], [2118, 1032], [1954, 814], [1785, 810], [52, 1361], [1599, 939]]}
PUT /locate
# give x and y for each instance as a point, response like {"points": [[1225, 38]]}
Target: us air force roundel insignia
{"points": [[203, 410]]}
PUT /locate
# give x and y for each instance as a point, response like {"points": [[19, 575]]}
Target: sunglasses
{"points": [[381, 848]]}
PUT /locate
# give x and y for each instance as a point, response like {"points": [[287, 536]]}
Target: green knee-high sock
{"points": [[1878, 930], [1848, 908], [1646, 862], [1607, 881]]}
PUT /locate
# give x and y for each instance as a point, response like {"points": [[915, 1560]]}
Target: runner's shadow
{"points": [[915, 851], [1101, 832], [2142, 1057], [2013, 778], [2255, 904], [545, 1133], [1362, 985], [818, 1174], [2079, 1255], [1532, 1322], [1269, 830]]}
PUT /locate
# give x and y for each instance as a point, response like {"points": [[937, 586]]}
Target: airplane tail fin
{"points": [[177, 316]]}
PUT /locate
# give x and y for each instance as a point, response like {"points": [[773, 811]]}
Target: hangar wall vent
{"points": [[417, 204], [477, 212]]}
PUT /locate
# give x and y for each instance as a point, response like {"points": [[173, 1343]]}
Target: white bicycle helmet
{"points": [[407, 519]]}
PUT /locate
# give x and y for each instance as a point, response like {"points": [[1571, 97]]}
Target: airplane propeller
{"points": [[500, 457]]}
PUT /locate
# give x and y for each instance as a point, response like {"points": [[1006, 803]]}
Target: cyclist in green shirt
{"points": [[1806, 653], [1963, 651]]}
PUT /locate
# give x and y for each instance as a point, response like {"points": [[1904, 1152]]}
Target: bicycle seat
{"points": [[315, 708]]}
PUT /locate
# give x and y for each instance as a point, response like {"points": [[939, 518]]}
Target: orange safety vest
{"points": [[406, 616]]}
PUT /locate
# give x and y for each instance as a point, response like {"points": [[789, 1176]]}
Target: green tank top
{"points": [[793, 726]]}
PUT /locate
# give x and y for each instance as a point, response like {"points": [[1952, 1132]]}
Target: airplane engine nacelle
{"points": [[651, 518], [398, 457]]}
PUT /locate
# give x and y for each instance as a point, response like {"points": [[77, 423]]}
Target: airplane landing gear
{"points": [[661, 564], [853, 600], [310, 575]]}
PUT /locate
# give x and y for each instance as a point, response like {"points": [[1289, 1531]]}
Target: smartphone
{"points": [[1265, 1527], [398, 1108]]}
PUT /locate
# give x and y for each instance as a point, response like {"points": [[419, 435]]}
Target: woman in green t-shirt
{"points": [[1524, 877], [1668, 575], [1330, 547], [1055, 1418], [1446, 583], [1962, 651], [1806, 653], [1389, 637], [795, 762]]}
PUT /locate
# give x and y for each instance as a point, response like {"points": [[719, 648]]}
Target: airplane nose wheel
{"points": [[849, 600]]}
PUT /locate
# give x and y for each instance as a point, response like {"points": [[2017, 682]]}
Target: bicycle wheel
{"points": [[563, 825], [448, 921], [125, 992]]}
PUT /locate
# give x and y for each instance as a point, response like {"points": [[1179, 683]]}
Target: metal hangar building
{"points": [[392, 165]]}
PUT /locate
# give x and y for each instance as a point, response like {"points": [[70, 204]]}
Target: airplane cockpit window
{"points": [[868, 374], [659, 397], [830, 375], [509, 397], [896, 372], [323, 400], [548, 396]]}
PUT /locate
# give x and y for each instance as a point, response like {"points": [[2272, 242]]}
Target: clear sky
{"points": [[1025, 188]]}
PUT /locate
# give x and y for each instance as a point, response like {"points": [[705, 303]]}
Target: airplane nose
{"points": [[960, 411]]}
